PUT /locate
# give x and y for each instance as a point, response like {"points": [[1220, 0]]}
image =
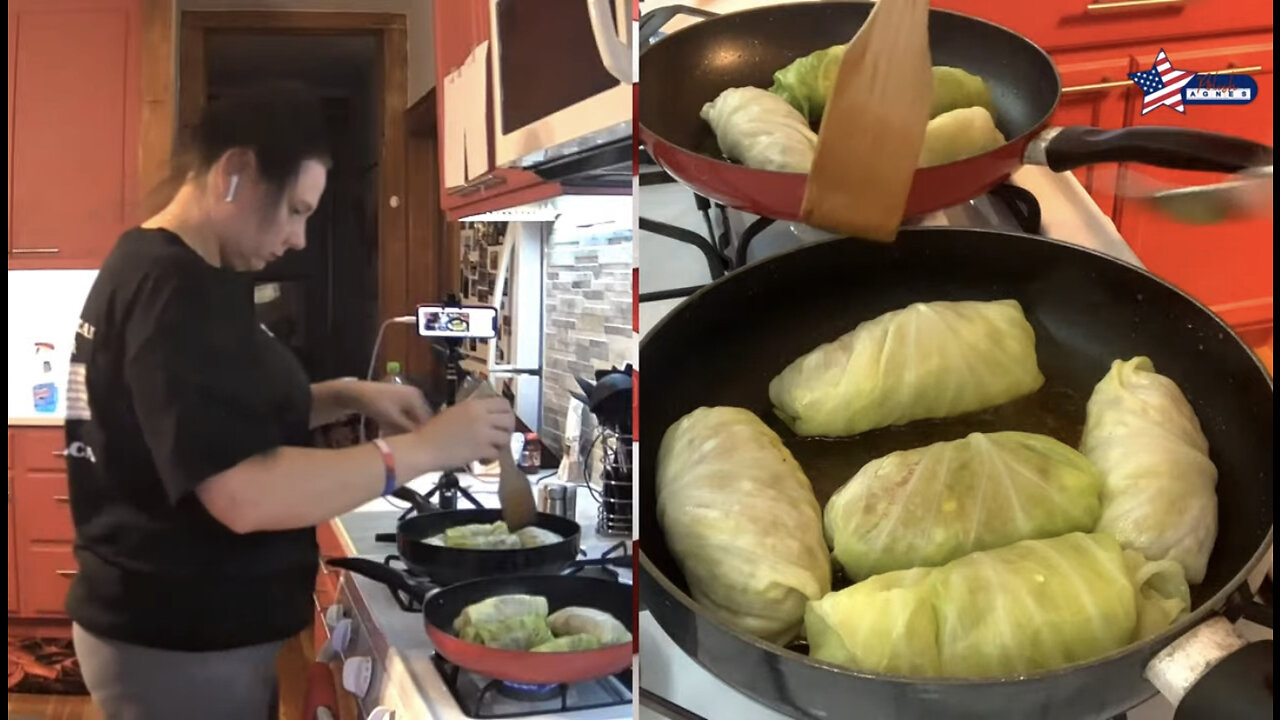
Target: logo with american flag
{"points": [[1165, 85]]}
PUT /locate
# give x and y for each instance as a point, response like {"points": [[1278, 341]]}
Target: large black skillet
{"points": [[724, 343]]}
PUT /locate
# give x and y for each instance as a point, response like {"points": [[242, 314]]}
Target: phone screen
{"points": [[468, 321]]}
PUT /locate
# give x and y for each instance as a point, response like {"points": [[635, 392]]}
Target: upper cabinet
{"points": [[73, 129], [526, 92]]}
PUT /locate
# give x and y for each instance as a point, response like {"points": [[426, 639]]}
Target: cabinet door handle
{"points": [[59, 453], [35, 251], [61, 498], [1126, 5], [1095, 87], [67, 573], [480, 183], [1233, 70]]}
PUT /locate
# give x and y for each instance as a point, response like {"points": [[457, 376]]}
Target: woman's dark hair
{"points": [[283, 123]]}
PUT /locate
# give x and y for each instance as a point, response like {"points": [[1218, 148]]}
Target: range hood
{"points": [[594, 163]]}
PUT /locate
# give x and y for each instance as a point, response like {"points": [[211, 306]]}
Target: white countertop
{"points": [[37, 421]]}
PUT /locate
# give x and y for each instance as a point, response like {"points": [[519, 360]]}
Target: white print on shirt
{"points": [[81, 451], [85, 330], [77, 392]]}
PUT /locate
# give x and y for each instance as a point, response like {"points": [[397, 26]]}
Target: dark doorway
{"points": [[321, 301]]}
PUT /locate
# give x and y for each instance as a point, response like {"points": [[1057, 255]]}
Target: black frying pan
{"points": [[692, 66], [446, 565], [1087, 310]]}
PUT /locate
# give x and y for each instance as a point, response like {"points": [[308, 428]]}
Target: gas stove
{"points": [[400, 672], [482, 697]]}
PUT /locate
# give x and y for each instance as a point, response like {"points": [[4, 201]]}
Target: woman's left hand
{"points": [[396, 408]]}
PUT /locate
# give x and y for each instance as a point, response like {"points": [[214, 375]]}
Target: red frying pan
{"points": [[442, 606], [692, 66]]}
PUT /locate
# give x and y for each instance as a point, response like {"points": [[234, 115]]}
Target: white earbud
{"points": [[231, 188]]}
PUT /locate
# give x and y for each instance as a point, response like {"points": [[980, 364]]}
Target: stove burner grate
{"points": [[480, 697], [524, 691]]}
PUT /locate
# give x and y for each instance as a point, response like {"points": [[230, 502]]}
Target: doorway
{"points": [[326, 301]]}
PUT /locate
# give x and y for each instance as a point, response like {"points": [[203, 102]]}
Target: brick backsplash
{"points": [[587, 319]]}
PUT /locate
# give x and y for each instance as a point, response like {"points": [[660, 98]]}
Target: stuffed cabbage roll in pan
{"points": [[742, 522], [931, 505], [1032, 606], [927, 360], [760, 130], [1158, 495], [599, 624]]}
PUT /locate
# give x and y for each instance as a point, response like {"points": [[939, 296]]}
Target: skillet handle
{"points": [[1169, 147], [654, 20], [384, 574], [1212, 672]]}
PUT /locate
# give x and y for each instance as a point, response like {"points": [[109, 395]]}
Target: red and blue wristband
{"points": [[388, 462]]}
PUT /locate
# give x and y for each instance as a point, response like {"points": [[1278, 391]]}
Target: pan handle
{"points": [[384, 574], [420, 503], [654, 20], [1212, 672], [1063, 149]]}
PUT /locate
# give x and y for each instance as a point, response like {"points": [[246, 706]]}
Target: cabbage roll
{"points": [[760, 130], [741, 521], [501, 607], [931, 505], [1158, 491], [806, 84], [1031, 606], [569, 643], [928, 360], [954, 89], [533, 536], [521, 632], [494, 536], [957, 135], [589, 621]]}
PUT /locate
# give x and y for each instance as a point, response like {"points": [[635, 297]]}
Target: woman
{"points": [[194, 497]]}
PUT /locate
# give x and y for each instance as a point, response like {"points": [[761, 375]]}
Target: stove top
{"points": [[483, 697], [731, 237]]}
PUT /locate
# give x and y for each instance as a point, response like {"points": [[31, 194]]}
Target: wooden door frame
{"points": [[390, 31]]}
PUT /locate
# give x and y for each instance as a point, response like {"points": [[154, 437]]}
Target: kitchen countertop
{"points": [[37, 421]]}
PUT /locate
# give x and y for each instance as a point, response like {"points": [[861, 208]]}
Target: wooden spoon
{"points": [[515, 494], [873, 127]]}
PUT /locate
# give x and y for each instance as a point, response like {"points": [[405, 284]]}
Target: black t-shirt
{"points": [[173, 381]]}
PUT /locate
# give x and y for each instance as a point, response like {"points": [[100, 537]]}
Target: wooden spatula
{"points": [[514, 492], [873, 127]]}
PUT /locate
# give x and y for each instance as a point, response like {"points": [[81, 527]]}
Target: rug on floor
{"points": [[44, 666]]}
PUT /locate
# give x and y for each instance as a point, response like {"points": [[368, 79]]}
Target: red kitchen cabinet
{"points": [[46, 577], [13, 554], [1228, 266], [1060, 24], [460, 26], [74, 103], [41, 564], [1094, 89]]}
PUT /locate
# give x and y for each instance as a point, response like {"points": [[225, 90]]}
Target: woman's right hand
{"points": [[476, 429]]}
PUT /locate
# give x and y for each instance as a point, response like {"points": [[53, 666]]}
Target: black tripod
{"points": [[448, 487]]}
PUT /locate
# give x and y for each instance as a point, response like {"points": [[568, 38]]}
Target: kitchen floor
{"points": [[291, 666]]}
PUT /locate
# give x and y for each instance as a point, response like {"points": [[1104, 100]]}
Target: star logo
{"points": [[1162, 84]]}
